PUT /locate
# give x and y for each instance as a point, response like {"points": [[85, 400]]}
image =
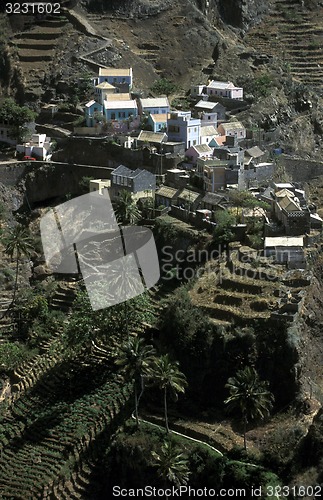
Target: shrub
{"points": [[163, 86]]}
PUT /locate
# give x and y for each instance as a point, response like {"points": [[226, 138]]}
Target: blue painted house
{"points": [[93, 110], [120, 78], [158, 122], [154, 106], [181, 127]]}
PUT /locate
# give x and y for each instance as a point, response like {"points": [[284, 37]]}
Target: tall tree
{"points": [[127, 211], [249, 396], [135, 358], [169, 378], [171, 464], [16, 117], [17, 242]]}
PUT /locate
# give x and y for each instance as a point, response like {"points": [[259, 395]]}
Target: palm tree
{"points": [[17, 242], [135, 358], [171, 464], [249, 396], [127, 211], [168, 378]]}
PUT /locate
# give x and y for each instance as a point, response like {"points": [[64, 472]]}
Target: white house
{"points": [[198, 90], [154, 105], [208, 132], [38, 147], [99, 185], [182, 127], [224, 89]]}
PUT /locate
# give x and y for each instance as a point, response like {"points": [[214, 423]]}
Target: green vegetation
{"points": [[136, 359], [249, 396], [13, 354], [139, 456], [126, 210], [16, 117], [166, 374], [107, 325], [222, 233], [171, 465], [164, 86], [17, 242]]}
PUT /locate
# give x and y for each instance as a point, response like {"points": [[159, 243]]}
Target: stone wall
{"points": [[299, 170], [42, 181], [102, 152]]}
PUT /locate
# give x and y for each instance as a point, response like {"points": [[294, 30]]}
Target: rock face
{"points": [[237, 13], [130, 8]]}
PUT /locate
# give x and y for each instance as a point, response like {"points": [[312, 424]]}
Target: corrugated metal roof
{"points": [[159, 118], [114, 71], [206, 105], [155, 102], [284, 192], [167, 192], [213, 198], [202, 148], [130, 104], [254, 152], [229, 125], [118, 97], [289, 205], [221, 85], [284, 241], [89, 104], [208, 130], [105, 85], [147, 136], [186, 194]]}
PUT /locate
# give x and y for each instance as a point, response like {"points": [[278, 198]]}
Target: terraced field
{"points": [[36, 51], [294, 35], [236, 291], [50, 437]]}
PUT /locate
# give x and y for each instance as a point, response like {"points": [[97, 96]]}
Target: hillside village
{"points": [[211, 159]]}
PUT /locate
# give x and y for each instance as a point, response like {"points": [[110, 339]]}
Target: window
{"points": [[194, 142]]}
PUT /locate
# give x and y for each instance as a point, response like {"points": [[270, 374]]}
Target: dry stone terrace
{"points": [[293, 34], [238, 289]]}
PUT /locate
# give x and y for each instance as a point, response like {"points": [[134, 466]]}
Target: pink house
{"points": [[200, 151]]}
